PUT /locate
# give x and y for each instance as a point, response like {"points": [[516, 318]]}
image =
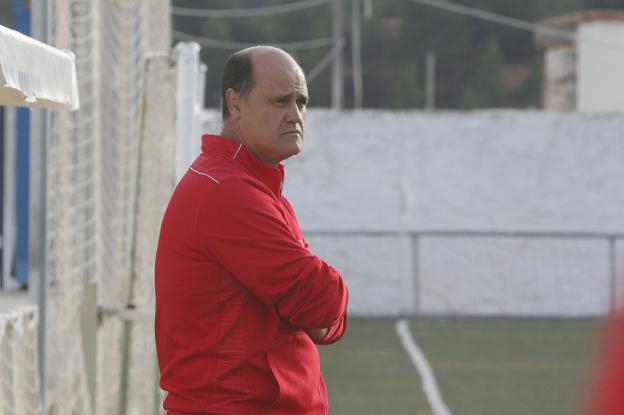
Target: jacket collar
{"points": [[273, 177]]}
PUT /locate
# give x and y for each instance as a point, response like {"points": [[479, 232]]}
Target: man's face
{"points": [[272, 115]]}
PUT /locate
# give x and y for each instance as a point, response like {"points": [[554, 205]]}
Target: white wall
{"points": [[600, 66], [516, 213]]}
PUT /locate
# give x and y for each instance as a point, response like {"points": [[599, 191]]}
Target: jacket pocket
{"points": [[295, 366]]}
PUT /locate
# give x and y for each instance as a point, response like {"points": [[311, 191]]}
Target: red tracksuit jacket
{"points": [[236, 285]]}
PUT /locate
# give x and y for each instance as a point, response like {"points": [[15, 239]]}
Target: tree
{"points": [[485, 88], [470, 53], [6, 13], [404, 86]]}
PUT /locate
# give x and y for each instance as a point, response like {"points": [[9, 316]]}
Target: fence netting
{"points": [[111, 172], [19, 375]]}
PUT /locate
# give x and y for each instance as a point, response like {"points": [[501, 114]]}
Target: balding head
{"points": [[269, 55], [243, 66]]}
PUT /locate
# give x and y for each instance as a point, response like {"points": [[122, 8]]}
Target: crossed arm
{"points": [[242, 221]]}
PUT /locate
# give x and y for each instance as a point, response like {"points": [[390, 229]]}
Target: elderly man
{"points": [[241, 300]]}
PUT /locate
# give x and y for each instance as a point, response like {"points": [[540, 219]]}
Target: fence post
{"points": [[188, 70]]}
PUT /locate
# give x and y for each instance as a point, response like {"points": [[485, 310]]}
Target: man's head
{"points": [[264, 102]]}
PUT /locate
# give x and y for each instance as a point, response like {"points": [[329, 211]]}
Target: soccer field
{"points": [[483, 366]]}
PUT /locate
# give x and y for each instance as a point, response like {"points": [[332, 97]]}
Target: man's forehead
{"points": [[281, 89], [278, 68]]}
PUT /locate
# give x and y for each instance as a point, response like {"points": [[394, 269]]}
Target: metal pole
{"points": [[430, 80], [187, 84], [45, 277], [337, 67], [9, 215], [23, 260], [156, 390], [41, 30], [356, 52], [126, 347], [614, 277], [2, 197], [368, 9]]}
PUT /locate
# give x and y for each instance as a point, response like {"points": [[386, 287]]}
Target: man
{"points": [[240, 298]]}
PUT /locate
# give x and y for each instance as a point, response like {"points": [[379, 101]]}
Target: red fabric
{"points": [[608, 391], [236, 285]]}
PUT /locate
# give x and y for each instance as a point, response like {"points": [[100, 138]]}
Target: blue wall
{"points": [[22, 24]]}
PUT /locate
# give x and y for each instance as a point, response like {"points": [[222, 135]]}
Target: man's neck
{"points": [[228, 132]]}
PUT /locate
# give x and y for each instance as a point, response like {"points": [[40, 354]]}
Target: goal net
{"points": [[111, 172], [19, 375]]}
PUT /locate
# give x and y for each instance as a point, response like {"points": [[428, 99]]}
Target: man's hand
{"points": [[317, 334]]}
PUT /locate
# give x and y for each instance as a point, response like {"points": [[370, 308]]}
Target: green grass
{"points": [[491, 366], [369, 373]]}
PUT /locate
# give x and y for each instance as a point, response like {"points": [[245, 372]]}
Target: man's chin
{"points": [[293, 150], [298, 147], [295, 141]]}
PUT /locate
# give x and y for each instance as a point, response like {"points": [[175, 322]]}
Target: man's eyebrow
{"points": [[290, 95], [284, 97]]}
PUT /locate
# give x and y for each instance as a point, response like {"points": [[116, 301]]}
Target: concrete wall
{"points": [[559, 83], [600, 66], [619, 273], [485, 213]]}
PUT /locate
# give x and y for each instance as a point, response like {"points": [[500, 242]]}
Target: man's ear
{"points": [[233, 100]]}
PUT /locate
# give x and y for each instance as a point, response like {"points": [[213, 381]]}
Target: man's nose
{"points": [[295, 114]]}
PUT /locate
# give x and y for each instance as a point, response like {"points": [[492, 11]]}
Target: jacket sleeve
{"points": [[246, 230]]}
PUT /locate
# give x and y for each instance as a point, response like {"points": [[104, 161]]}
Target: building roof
{"points": [[570, 22]]}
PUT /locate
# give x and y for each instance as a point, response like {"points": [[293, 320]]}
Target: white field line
{"points": [[429, 385]]}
